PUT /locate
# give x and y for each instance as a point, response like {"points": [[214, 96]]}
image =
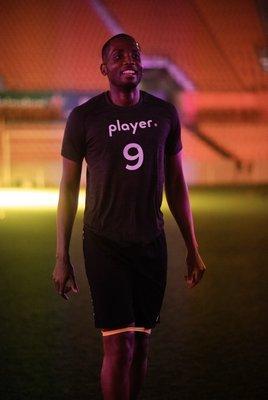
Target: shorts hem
{"points": [[113, 326], [124, 325]]}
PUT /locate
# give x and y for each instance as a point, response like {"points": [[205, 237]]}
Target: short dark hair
{"points": [[107, 44]]}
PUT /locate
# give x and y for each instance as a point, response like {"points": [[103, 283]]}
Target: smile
{"points": [[129, 72]]}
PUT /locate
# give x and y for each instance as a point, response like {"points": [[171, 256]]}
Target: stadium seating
{"points": [[51, 46], [55, 46], [204, 38], [247, 141]]}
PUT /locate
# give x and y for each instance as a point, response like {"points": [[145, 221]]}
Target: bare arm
{"points": [[66, 212], [179, 204]]}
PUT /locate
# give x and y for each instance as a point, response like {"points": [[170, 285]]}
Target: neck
{"points": [[124, 97]]}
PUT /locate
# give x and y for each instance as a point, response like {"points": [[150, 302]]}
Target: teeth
{"points": [[129, 71]]}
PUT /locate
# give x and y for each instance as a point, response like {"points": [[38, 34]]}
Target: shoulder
{"points": [[164, 105], [89, 107]]}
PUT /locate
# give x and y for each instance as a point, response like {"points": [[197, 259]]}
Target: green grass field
{"points": [[211, 342]]}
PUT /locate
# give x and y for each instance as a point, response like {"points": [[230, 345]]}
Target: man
{"points": [[131, 143]]}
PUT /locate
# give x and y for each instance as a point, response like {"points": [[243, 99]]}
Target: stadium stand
{"points": [[236, 30], [54, 46], [51, 45], [250, 142], [214, 48], [29, 154]]}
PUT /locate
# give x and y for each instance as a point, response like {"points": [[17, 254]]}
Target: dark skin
{"points": [[125, 354], [178, 202], [123, 55]]}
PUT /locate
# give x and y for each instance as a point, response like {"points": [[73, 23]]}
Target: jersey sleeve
{"points": [[173, 142], [73, 143]]}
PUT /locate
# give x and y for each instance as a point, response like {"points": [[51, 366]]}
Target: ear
{"points": [[103, 69]]}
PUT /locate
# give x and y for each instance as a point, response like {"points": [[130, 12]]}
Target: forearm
{"points": [[67, 208], [178, 201]]}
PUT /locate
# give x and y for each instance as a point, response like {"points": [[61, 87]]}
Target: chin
{"points": [[128, 85]]}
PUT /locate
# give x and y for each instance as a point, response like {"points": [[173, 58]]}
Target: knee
{"points": [[119, 348], [141, 349]]}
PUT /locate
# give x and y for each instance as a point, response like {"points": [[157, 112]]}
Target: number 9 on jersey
{"points": [[138, 156]]}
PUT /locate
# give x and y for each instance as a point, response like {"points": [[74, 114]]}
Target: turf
{"points": [[211, 341]]}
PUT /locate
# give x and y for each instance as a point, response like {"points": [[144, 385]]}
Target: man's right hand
{"points": [[64, 278]]}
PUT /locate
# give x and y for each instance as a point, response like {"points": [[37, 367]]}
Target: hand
{"points": [[64, 278], [196, 268]]}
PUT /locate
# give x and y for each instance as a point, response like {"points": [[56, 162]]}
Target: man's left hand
{"points": [[196, 269]]}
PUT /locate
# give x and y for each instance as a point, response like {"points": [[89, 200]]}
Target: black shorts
{"points": [[127, 282]]}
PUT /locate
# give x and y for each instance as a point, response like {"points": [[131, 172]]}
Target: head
{"points": [[121, 61]]}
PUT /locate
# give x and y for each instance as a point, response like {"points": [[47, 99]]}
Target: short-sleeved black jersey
{"points": [[125, 149]]}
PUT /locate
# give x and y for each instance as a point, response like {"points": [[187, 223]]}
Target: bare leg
{"points": [[118, 355], [139, 364]]}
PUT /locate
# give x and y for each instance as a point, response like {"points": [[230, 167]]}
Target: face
{"points": [[123, 64]]}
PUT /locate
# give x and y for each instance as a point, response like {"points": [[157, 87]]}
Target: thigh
{"points": [[150, 281], [109, 278]]}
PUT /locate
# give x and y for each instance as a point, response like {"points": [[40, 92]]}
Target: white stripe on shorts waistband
{"points": [[126, 329]]}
